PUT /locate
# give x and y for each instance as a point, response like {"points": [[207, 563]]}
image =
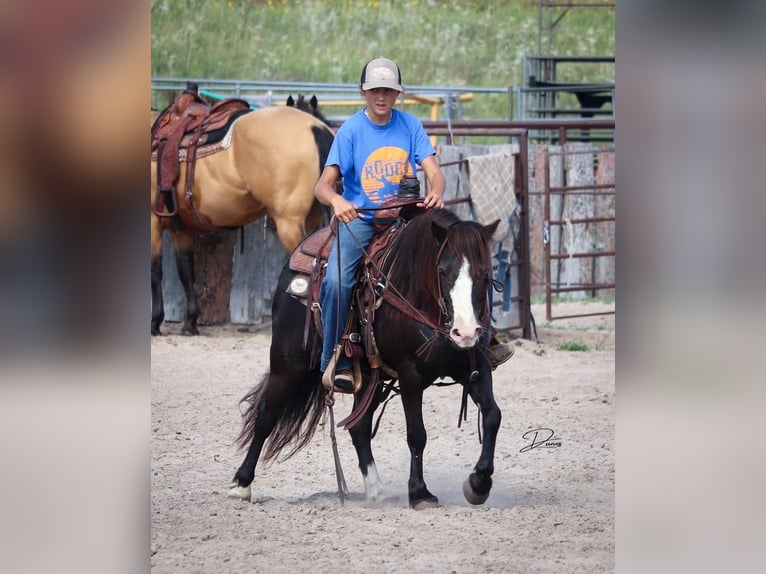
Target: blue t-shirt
{"points": [[372, 158]]}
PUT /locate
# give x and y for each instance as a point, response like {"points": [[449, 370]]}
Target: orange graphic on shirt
{"points": [[386, 164]]}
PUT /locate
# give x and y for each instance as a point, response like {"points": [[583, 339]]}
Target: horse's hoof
{"points": [[242, 492], [190, 332], [379, 493], [383, 497], [426, 503], [471, 495]]}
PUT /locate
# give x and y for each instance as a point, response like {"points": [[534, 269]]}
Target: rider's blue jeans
{"points": [[335, 292]]}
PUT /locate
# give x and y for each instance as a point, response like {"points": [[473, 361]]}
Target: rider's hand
{"points": [[344, 210], [432, 200]]}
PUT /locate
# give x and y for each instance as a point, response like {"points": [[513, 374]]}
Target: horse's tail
{"points": [[296, 414]]}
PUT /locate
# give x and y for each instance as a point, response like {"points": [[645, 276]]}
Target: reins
{"points": [[330, 397], [393, 296]]}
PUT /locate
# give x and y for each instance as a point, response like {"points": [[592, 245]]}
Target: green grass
{"points": [[571, 346], [476, 43], [540, 299]]}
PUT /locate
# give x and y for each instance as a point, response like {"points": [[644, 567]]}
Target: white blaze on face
{"points": [[465, 326]]}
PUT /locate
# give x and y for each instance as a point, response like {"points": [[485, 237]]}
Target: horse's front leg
{"points": [[158, 305], [361, 436], [412, 401], [183, 247], [478, 484]]}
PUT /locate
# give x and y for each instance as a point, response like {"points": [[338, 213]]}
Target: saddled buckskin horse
{"points": [[267, 163]]}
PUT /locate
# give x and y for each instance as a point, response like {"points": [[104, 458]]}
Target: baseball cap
{"points": [[381, 73]]}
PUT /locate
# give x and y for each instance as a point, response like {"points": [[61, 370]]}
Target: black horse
{"points": [[310, 106], [433, 322]]}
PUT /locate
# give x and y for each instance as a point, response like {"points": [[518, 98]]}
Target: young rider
{"points": [[372, 150]]}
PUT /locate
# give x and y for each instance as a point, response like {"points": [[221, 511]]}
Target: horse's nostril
{"points": [[464, 334]]}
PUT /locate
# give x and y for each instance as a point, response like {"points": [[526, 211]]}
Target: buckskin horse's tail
{"points": [[287, 412]]}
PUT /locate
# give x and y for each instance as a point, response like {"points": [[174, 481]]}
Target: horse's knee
{"points": [[492, 419], [417, 441]]}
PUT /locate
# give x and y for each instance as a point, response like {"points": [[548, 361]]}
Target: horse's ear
{"points": [[314, 103], [491, 228], [439, 231], [290, 101]]}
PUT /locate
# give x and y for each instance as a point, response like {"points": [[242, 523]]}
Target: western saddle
{"points": [[309, 263], [177, 134]]}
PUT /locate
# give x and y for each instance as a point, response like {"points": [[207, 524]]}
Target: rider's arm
{"points": [[436, 182], [325, 193]]}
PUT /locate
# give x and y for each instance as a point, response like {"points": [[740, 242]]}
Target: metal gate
{"points": [[579, 218]]}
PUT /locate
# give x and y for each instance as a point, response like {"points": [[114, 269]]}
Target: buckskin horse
{"points": [[262, 162], [431, 321]]}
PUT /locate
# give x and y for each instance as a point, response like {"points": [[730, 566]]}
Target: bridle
{"points": [[440, 325]]}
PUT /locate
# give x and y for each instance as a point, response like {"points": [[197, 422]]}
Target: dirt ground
{"points": [[551, 508]]}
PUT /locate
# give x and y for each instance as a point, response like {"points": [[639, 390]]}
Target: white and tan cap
{"points": [[381, 73]]}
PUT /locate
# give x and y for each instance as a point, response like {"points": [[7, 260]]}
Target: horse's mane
{"points": [[415, 273], [310, 106]]}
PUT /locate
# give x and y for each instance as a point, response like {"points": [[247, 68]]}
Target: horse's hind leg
{"points": [[288, 404], [158, 305], [183, 247], [478, 484], [290, 231], [264, 424]]}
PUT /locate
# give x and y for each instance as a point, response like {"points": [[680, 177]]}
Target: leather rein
{"points": [[394, 297]]}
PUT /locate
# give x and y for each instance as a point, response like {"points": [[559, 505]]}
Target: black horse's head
{"points": [[465, 273], [309, 106], [450, 272]]}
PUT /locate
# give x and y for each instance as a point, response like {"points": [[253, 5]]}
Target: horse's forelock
{"points": [[419, 247], [469, 240], [415, 271]]}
